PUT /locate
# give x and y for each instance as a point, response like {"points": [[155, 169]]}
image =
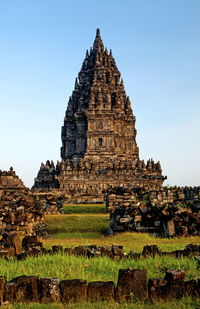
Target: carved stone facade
{"points": [[99, 147], [47, 176], [99, 137]]}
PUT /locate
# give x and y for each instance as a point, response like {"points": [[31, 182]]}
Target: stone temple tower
{"points": [[99, 147], [99, 121], [98, 136]]}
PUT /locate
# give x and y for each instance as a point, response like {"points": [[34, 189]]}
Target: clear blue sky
{"points": [[156, 45]]}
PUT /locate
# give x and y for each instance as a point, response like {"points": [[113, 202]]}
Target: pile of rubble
{"points": [[132, 285], [18, 211], [131, 195], [165, 220], [50, 202]]}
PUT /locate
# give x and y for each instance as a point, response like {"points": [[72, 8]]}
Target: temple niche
{"points": [[99, 148]]}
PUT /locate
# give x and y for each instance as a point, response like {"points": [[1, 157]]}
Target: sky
{"points": [[156, 45]]}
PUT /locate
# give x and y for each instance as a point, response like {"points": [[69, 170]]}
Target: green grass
{"points": [[79, 223], [83, 225], [103, 269], [185, 303], [85, 209]]}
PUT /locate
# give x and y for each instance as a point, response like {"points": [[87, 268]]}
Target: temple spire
{"points": [[98, 44], [98, 33]]}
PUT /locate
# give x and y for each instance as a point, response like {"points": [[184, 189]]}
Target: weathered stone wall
{"points": [[132, 285], [27, 289]]}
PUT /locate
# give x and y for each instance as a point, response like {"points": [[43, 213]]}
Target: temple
{"points": [[99, 147]]}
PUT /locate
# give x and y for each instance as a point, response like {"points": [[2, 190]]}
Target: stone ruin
{"points": [[98, 136], [130, 196], [18, 212], [50, 202], [46, 191], [166, 212], [131, 282], [133, 285], [47, 176]]}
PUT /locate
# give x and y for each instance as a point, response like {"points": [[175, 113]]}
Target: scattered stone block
{"points": [[158, 289], [191, 288], [174, 275], [140, 284], [132, 283], [49, 290], [57, 249], [2, 287], [73, 291], [101, 291], [151, 250], [17, 244], [23, 289], [69, 251], [176, 289]]}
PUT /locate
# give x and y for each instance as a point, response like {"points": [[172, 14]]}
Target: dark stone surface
{"points": [[174, 275], [191, 288], [49, 290], [176, 289], [23, 289], [132, 284], [140, 284], [101, 291], [73, 290], [124, 285], [158, 289], [2, 287], [57, 249], [151, 250]]}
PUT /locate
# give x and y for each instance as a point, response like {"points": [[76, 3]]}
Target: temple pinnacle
{"points": [[98, 33]]}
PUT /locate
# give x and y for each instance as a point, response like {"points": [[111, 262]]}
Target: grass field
{"points": [[186, 303], [83, 225], [83, 208], [79, 228], [93, 269]]}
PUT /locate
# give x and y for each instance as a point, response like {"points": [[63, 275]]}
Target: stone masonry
{"points": [[18, 211], [98, 136]]}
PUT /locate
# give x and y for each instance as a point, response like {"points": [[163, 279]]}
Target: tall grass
{"points": [[104, 269]]}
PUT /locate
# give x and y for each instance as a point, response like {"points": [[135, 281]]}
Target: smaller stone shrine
{"points": [[47, 176]]}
